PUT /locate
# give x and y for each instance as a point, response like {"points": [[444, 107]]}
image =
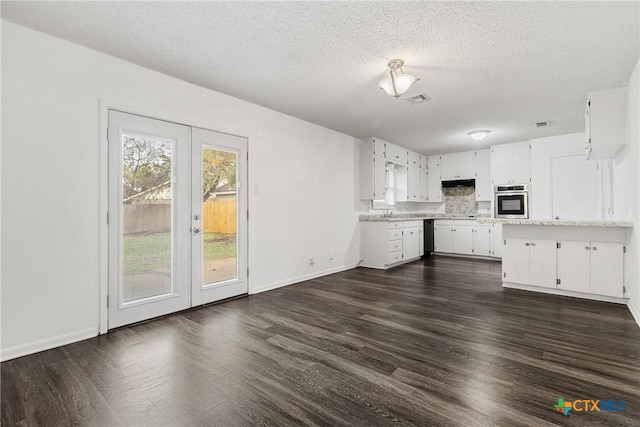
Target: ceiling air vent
{"points": [[543, 124], [416, 99]]}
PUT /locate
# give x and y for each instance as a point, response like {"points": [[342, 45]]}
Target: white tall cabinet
{"points": [[484, 191]]}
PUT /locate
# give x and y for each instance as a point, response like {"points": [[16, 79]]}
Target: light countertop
{"points": [[552, 222], [488, 220]]}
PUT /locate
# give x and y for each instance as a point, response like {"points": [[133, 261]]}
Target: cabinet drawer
{"points": [[393, 225], [411, 224], [395, 246], [395, 257], [395, 235]]}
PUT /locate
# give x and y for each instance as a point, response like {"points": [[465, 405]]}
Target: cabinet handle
{"points": [[557, 217], [588, 248], [527, 244], [533, 244], [594, 248]]}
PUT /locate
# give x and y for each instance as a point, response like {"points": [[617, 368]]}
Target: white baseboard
{"points": [[304, 277], [564, 293], [46, 344], [635, 312]]}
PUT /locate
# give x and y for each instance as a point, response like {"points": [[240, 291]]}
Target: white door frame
{"points": [[150, 111]]}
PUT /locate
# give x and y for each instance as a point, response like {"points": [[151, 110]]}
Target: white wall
{"points": [[301, 177], [626, 192]]}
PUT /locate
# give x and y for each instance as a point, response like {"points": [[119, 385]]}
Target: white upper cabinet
{"points": [[434, 192], [413, 184], [372, 164], [414, 159], [458, 166], [510, 163], [395, 153], [424, 185], [484, 192], [605, 123]]}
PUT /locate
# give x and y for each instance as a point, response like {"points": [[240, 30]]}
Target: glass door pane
{"points": [[219, 215], [149, 237], [147, 207]]}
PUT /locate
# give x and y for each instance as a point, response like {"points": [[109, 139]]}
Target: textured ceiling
{"points": [[496, 65]]}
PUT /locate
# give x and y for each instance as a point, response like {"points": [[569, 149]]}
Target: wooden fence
{"points": [[219, 216]]}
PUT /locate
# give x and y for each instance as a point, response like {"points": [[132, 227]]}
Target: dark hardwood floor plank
{"points": [[436, 342]]}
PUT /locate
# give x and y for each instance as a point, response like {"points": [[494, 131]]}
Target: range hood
{"points": [[459, 183]]}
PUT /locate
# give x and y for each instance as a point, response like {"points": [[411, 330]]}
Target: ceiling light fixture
{"points": [[397, 83], [478, 135]]}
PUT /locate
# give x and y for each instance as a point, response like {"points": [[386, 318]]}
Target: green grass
{"points": [[152, 251]]}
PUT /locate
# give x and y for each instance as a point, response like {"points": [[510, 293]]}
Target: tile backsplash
{"points": [[460, 200]]}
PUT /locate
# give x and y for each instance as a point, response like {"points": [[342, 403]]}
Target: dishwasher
{"points": [[428, 237]]}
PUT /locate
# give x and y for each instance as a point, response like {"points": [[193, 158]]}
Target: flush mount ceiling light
{"points": [[397, 83], [478, 135]]}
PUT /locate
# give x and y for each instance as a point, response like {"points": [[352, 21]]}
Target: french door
{"points": [[177, 217]]}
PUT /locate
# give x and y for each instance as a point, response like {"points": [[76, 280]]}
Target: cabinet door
{"points": [[481, 238], [414, 159], [396, 154], [378, 147], [466, 165], [379, 178], [500, 166], [573, 266], [515, 261], [574, 188], [542, 263], [424, 185], [496, 240], [410, 242], [519, 159], [484, 191], [463, 239], [435, 181], [449, 166], [607, 269], [413, 184], [443, 236]]}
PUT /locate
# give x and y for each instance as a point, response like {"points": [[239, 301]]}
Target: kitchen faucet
{"points": [[387, 214]]}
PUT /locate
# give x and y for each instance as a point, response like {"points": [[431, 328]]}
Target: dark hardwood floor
{"points": [[432, 343]]}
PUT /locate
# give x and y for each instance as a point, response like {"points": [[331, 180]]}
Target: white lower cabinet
{"points": [[389, 243], [411, 242], [481, 240], [591, 267], [463, 237], [529, 262], [579, 266], [496, 242]]}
